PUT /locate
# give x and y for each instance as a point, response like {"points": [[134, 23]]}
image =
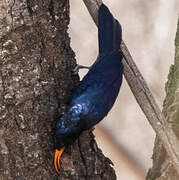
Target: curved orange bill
{"points": [[57, 156]]}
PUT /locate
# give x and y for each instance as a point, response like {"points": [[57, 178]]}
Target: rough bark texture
{"points": [[162, 168], [36, 81]]}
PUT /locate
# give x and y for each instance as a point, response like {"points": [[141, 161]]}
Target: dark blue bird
{"points": [[97, 92]]}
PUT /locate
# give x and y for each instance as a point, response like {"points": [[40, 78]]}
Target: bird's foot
{"points": [[57, 156], [78, 67]]}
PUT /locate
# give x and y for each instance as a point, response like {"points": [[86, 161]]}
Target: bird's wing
{"points": [[102, 75]]}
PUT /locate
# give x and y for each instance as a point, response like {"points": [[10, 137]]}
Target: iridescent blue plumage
{"points": [[97, 92]]}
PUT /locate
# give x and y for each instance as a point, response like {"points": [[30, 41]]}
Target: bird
{"points": [[95, 95]]}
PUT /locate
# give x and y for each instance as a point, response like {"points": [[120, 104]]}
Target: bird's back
{"points": [[99, 88]]}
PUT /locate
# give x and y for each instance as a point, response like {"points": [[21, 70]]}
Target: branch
{"points": [[144, 96]]}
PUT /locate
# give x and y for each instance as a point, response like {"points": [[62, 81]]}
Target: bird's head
{"points": [[68, 129], [65, 134]]}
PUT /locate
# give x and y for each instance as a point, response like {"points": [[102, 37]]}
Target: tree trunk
{"points": [[36, 81], [162, 168]]}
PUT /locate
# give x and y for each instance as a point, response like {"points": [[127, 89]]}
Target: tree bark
{"points": [[36, 81], [162, 168]]}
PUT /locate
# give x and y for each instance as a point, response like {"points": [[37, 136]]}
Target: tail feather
{"points": [[109, 31]]}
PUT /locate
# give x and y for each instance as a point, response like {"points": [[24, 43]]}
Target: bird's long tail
{"points": [[109, 31]]}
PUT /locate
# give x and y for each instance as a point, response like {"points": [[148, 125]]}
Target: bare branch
{"points": [[144, 96]]}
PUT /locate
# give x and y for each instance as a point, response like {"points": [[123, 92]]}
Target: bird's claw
{"points": [[78, 67], [57, 156]]}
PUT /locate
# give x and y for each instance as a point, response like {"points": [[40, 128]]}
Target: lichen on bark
{"points": [[171, 103], [162, 168]]}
